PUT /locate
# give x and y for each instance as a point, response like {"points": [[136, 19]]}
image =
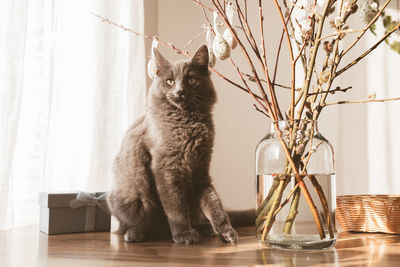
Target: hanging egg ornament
{"points": [[227, 33], [211, 58], [151, 65], [152, 68], [221, 48], [229, 38]]}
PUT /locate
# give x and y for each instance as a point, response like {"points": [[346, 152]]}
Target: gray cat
{"points": [[162, 185]]}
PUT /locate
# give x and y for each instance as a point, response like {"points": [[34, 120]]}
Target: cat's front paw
{"points": [[187, 237], [134, 235], [229, 235]]}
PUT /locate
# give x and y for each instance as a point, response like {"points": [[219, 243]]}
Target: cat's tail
{"points": [[242, 217]]}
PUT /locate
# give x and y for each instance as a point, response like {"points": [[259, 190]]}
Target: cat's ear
{"points": [[161, 63], [201, 57]]}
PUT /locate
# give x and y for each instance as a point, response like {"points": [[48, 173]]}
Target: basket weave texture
{"points": [[369, 213]]}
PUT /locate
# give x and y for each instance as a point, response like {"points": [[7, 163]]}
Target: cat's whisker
{"points": [[197, 100], [204, 97]]}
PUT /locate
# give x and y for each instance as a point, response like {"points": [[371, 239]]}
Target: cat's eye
{"points": [[192, 81], [170, 82]]}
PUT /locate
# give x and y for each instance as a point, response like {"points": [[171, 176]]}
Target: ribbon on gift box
{"points": [[90, 201]]}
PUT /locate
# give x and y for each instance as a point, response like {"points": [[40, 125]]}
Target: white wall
{"points": [[362, 163]]}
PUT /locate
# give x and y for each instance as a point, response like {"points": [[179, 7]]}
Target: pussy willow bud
{"points": [[332, 9], [332, 24], [325, 76], [328, 47], [353, 8], [287, 12], [300, 149]]}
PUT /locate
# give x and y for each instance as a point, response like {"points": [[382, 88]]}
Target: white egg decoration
{"points": [[227, 33], [152, 68], [221, 48], [229, 38], [211, 58], [151, 65]]}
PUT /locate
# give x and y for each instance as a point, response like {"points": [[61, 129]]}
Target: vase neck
{"points": [[297, 125]]}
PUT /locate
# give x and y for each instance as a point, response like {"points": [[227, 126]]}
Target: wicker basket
{"points": [[369, 213]]}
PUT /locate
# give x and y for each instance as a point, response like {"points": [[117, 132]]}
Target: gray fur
{"points": [[162, 185]]}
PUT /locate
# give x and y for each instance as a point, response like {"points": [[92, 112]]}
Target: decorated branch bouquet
{"points": [[313, 32]]}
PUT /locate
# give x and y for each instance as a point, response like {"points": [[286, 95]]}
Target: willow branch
{"points": [[203, 6], [261, 17], [250, 38], [233, 83], [300, 52], [219, 5], [167, 44], [265, 67], [252, 79], [289, 22], [264, 209], [337, 89], [270, 217], [336, 60], [203, 9], [106, 20], [293, 211], [247, 86], [280, 43], [285, 86], [194, 38], [261, 89], [344, 52], [286, 200], [314, 51], [324, 203], [261, 58], [303, 188], [261, 111], [362, 101], [245, 8], [293, 63], [173, 47], [277, 57], [348, 66], [247, 32], [273, 116], [340, 7], [338, 33], [334, 66]]}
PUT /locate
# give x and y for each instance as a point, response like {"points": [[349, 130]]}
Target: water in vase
{"points": [[284, 218]]}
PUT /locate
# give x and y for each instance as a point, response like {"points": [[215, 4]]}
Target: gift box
{"points": [[62, 213]]}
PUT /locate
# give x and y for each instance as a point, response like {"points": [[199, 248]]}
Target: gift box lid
{"points": [[59, 199]]}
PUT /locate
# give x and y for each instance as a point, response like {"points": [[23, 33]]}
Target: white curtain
{"points": [[69, 88], [383, 119]]}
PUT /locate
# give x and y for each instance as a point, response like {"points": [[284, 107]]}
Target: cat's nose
{"points": [[179, 94]]}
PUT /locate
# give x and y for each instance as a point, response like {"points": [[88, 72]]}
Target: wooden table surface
{"points": [[27, 246]]}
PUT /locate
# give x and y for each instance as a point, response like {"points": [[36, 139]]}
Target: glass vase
{"points": [[296, 197]]}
